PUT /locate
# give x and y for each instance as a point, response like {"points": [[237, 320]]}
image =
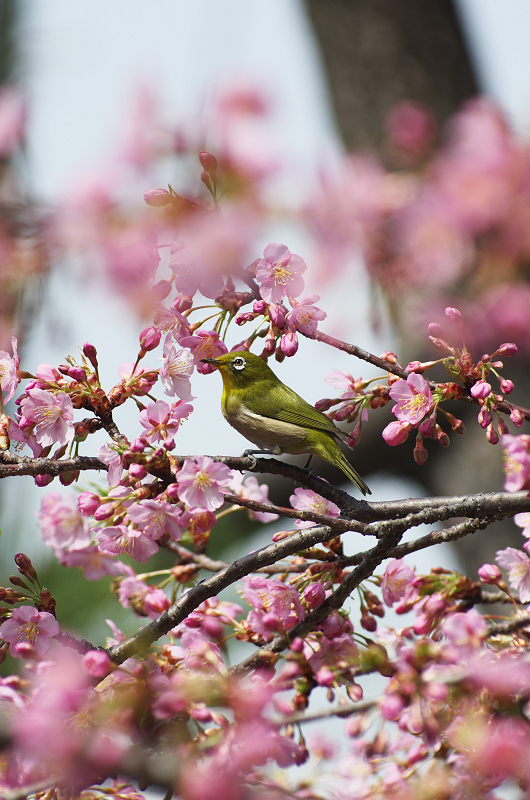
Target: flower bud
{"points": [[277, 315], [137, 471], [205, 178], [98, 663], [481, 390], [289, 344], [517, 417], [491, 434], [87, 503], [208, 162], [182, 303], [453, 314], [157, 198], [507, 349], [485, 417], [506, 386], [415, 366], [502, 427], [420, 453], [436, 330], [388, 355], [91, 353], [43, 480], [259, 307], [150, 338], [489, 573], [442, 437]]}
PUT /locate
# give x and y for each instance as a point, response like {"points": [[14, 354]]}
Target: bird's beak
{"points": [[210, 361]]}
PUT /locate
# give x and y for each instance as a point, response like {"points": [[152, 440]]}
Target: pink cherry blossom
{"points": [[62, 525], [523, 521], [305, 316], [200, 482], [414, 399], [275, 599], [52, 415], [465, 630], [171, 322], [176, 371], [157, 517], [279, 273], [8, 370], [26, 624], [162, 421], [250, 489], [518, 565], [204, 344], [396, 580], [308, 500], [123, 540], [94, 563], [112, 458], [210, 617], [516, 462]]}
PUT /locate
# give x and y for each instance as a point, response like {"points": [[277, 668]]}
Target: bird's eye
{"points": [[239, 362]]}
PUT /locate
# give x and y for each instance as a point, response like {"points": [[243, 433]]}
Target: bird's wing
{"points": [[294, 409]]}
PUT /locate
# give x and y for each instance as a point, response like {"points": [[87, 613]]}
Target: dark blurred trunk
{"points": [[376, 54], [379, 52]]}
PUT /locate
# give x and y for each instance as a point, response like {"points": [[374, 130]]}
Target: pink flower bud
{"points": [[415, 366], [489, 573], [436, 330], [297, 645], [324, 404], [169, 444], [137, 471], [442, 437], [484, 417], [137, 446], [91, 353], [507, 349], [396, 433], [388, 355], [289, 344], [314, 594], [420, 454], [506, 386], [150, 338], [104, 511], [205, 178], [77, 374], [516, 416], [491, 435], [158, 198], [98, 663], [43, 480], [277, 315], [246, 316], [502, 427], [410, 128], [354, 437], [453, 314], [172, 491], [481, 390], [259, 307], [182, 303], [208, 162], [88, 503], [440, 344]]}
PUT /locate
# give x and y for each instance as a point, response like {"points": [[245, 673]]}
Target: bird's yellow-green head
{"points": [[241, 369]]}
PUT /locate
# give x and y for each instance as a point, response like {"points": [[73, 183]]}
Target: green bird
{"points": [[270, 415]]}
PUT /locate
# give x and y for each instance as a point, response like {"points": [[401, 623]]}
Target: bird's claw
{"points": [[250, 455]]}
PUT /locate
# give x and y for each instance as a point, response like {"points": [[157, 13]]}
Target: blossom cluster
{"points": [[171, 704]]}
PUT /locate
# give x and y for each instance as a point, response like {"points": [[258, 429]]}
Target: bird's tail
{"points": [[328, 449], [352, 474]]}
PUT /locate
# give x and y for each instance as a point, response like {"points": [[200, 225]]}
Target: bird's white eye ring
{"points": [[239, 362]]}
